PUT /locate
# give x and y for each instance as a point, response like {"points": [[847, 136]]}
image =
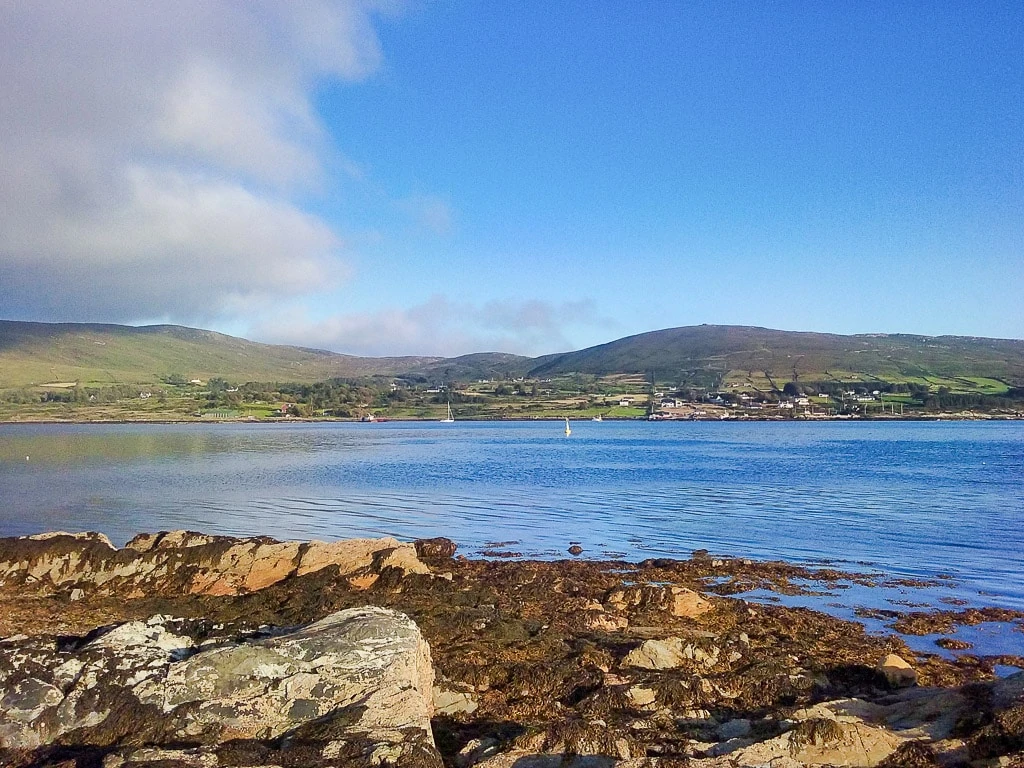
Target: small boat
{"points": [[449, 418], [597, 418], [567, 430]]}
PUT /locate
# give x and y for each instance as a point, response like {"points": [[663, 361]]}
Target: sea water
{"points": [[906, 500]]}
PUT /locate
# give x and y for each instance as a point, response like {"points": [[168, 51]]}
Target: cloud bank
{"points": [[152, 154], [440, 327]]}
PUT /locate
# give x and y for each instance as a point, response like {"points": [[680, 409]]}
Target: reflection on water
{"points": [[908, 499]]}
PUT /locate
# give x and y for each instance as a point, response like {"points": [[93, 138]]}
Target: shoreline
{"points": [[632, 661], [927, 418]]}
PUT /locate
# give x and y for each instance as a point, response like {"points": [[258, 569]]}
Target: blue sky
{"points": [[448, 177]]}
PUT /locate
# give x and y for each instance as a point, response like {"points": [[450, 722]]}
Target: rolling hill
{"points": [[706, 356], [478, 365], [38, 353], [709, 355]]}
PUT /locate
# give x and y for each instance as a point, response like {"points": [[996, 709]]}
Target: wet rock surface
{"points": [[568, 663]]}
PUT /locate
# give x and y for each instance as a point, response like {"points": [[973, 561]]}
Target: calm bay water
{"points": [[903, 499]]}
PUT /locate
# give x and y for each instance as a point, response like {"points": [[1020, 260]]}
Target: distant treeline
{"points": [[339, 397], [838, 388], [109, 394]]}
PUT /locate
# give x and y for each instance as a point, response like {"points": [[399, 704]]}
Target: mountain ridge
{"points": [[708, 356]]}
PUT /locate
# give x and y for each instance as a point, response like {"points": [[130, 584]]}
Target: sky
{"points": [[439, 177]]}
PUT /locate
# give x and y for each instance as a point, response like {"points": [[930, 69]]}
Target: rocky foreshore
{"points": [[184, 650]]}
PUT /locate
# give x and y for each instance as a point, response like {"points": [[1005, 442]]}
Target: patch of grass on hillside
{"points": [[986, 386]]}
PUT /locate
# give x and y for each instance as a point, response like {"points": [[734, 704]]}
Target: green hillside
{"points": [[706, 356], [32, 354], [479, 365], [715, 356]]}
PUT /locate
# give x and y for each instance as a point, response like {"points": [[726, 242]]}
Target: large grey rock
{"points": [[357, 683]]}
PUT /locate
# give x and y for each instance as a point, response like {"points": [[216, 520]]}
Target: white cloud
{"points": [[208, 116], [440, 327], [178, 245], [149, 152]]}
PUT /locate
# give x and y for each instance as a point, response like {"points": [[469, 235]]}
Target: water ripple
{"points": [[913, 499]]}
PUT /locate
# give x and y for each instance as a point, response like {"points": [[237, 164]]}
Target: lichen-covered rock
{"points": [[369, 660], [356, 683]]}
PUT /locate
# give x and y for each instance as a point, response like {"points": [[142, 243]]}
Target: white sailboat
{"points": [[449, 418], [567, 430]]}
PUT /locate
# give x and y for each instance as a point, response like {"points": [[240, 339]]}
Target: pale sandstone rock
{"points": [[641, 696], [686, 602], [656, 654], [897, 671], [933, 713], [144, 542], [91, 536], [193, 562], [926, 713], [823, 742], [448, 702], [353, 554], [678, 601], [604, 622], [363, 581], [843, 711], [670, 653]]}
